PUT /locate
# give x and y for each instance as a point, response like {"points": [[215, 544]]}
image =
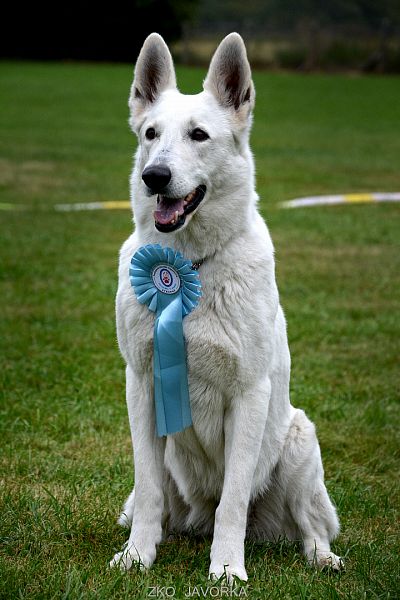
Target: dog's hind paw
{"points": [[130, 556], [227, 572], [126, 516], [125, 520], [327, 560]]}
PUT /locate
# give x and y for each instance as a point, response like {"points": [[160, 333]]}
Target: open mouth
{"points": [[171, 212]]}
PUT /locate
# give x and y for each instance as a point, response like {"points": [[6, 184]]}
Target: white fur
{"points": [[250, 464]]}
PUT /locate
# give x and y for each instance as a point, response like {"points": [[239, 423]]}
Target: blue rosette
{"points": [[164, 280]]}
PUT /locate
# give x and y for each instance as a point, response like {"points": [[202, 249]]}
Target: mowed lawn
{"points": [[66, 464]]}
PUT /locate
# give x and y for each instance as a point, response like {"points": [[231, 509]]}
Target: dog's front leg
{"points": [[148, 451], [244, 428]]}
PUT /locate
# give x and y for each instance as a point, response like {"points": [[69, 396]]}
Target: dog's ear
{"points": [[229, 75], [154, 73]]}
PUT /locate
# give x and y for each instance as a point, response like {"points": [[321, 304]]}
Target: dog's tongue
{"points": [[166, 209]]}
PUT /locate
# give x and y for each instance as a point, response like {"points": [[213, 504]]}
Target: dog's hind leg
{"points": [[125, 518], [175, 510], [197, 517], [301, 473]]}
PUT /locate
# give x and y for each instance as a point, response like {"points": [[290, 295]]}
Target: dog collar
{"points": [[197, 264]]}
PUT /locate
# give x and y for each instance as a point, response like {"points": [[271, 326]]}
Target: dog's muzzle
{"points": [[171, 212]]}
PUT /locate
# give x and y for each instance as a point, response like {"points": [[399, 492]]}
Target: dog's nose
{"points": [[156, 177]]}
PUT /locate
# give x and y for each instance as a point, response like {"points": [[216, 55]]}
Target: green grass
{"points": [[66, 452]]}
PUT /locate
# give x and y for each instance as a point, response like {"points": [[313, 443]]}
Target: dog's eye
{"points": [[198, 135], [150, 133]]}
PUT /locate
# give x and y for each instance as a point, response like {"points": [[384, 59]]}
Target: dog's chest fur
{"points": [[226, 336]]}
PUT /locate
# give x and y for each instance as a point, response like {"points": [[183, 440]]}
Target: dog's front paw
{"points": [[326, 560], [228, 572], [131, 555]]}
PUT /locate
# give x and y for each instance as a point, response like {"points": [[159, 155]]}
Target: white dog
{"points": [[250, 464]]}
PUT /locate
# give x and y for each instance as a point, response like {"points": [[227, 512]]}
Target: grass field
{"points": [[66, 451]]}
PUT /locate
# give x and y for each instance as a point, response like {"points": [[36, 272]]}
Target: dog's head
{"points": [[193, 149]]}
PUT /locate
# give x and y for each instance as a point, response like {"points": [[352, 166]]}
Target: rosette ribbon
{"points": [[164, 280]]}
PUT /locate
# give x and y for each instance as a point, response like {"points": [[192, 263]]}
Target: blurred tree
{"points": [[369, 13], [310, 17], [311, 22]]}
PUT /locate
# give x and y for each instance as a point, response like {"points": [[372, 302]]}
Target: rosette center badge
{"points": [[166, 279]]}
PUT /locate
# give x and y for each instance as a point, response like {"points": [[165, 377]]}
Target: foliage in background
{"points": [[305, 34], [300, 34], [286, 14]]}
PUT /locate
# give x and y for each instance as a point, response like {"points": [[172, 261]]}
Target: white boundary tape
{"points": [[295, 203], [342, 199], [109, 205], [10, 206], [75, 206]]}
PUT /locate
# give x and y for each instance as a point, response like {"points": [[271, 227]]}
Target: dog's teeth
{"points": [[174, 220]]}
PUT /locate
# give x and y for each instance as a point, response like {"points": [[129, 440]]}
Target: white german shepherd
{"points": [[250, 465]]}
